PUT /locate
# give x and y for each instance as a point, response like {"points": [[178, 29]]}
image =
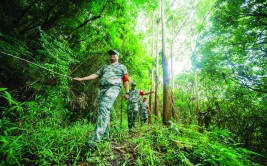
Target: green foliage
{"points": [[44, 142], [226, 106], [231, 55], [235, 44], [184, 145], [45, 145]]}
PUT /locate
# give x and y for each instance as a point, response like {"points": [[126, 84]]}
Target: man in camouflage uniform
{"points": [[133, 104], [144, 111], [111, 78]]}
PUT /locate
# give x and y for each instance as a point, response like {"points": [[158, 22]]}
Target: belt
{"points": [[109, 86]]}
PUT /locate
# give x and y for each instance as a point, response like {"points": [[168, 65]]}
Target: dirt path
{"points": [[123, 153]]}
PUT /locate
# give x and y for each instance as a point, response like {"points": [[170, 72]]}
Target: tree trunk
{"points": [[173, 110], [166, 79], [150, 100], [152, 80], [199, 116], [156, 108], [121, 113]]}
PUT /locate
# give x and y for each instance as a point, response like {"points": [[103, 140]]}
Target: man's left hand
{"points": [[125, 96]]}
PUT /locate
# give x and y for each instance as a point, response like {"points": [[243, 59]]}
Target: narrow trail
{"points": [[124, 152], [117, 153]]}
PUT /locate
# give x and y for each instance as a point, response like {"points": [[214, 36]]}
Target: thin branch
{"points": [[25, 11], [247, 86], [170, 6], [185, 20], [88, 20]]}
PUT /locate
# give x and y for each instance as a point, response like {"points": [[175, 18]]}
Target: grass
{"points": [[147, 145]]}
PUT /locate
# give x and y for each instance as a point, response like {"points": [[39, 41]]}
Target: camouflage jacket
{"points": [[144, 107], [134, 96], [111, 75]]}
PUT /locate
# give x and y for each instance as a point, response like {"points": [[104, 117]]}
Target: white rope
{"points": [[35, 64]]}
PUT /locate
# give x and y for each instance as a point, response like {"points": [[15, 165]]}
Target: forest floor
{"points": [[115, 153], [146, 145], [158, 145]]}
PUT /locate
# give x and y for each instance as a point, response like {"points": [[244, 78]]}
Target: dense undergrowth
{"points": [[47, 141], [150, 145]]}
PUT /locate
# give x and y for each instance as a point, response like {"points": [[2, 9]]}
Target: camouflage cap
{"points": [[133, 84], [113, 52]]}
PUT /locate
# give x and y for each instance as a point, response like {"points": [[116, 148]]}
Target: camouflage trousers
{"points": [[143, 116], [132, 112], [106, 100]]}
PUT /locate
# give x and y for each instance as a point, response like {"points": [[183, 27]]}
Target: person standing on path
{"points": [[144, 111], [133, 105], [111, 78]]}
